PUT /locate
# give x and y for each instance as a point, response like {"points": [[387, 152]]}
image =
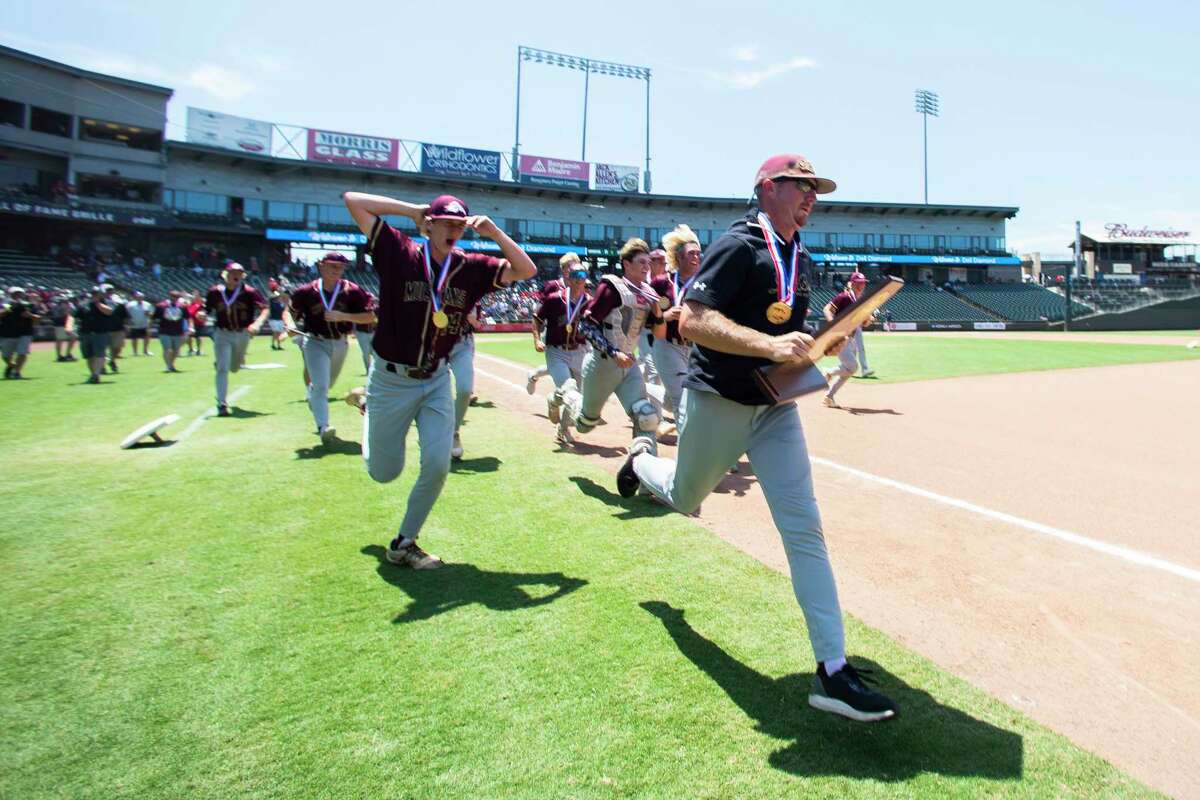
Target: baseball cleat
{"points": [[846, 693], [223, 411], [328, 436], [563, 437], [412, 556], [531, 382], [553, 407], [829, 402], [868, 373], [628, 482], [456, 449]]}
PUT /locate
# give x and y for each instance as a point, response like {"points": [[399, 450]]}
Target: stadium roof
{"points": [[201, 152], [30, 58]]}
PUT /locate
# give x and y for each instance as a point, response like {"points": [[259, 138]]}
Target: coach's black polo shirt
{"points": [[737, 278]]}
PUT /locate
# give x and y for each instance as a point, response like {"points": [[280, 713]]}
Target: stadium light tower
{"points": [[587, 66], [926, 106]]}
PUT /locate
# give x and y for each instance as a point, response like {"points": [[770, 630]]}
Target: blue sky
{"points": [[1077, 111]]}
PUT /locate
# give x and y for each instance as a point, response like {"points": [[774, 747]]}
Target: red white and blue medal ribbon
{"points": [[785, 281], [572, 312], [332, 298], [436, 289], [230, 300], [647, 294], [680, 292]]}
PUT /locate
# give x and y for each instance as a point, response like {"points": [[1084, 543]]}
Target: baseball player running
{"points": [[425, 293], [566, 264], [557, 322], [745, 310], [622, 307], [234, 305], [326, 310], [671, 352], [848, 357]]}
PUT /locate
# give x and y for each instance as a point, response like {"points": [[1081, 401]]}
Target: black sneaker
{"points": [[113, 366], [223, 411], [8, 372], [846, 693], [627, 479]]}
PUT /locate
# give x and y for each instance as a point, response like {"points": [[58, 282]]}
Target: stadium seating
{"points": [[1020, 302], [22, 269], [915, 303]]}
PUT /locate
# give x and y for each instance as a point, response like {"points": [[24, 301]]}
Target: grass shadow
{"points": [[926, 737], [636, 507], [475, 466], [245, 413], [604, 451], [434, 592], [338, 447]]}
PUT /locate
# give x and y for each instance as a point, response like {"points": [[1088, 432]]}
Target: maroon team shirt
{"points": [[842, 301], [308, 309], [405, 332], [368, 327], [553, 315], [550, 288], [170, 317], [240, 313], [666, 288]]}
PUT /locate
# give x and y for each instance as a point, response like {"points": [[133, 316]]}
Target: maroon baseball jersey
{"points": [[170, 317], [549, 288], [666, 288], [241, 310], [308, 307], [553, 314], [842, 300], [405, 332]]}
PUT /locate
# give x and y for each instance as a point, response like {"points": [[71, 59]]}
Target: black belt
{"points": [[412, 372]]}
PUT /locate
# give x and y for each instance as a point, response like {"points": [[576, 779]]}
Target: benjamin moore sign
{"points": [[557, 172], [460, 162]]}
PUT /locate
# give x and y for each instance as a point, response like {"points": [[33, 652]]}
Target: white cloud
{"points": [[221, 83], [746, 52], [751, 79]]}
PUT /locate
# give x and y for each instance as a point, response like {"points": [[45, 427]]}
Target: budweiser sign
{"points": [[1117, 231]]}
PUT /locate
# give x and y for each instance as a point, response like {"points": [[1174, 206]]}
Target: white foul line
{"points": [[1123, 553], [198, 421]]}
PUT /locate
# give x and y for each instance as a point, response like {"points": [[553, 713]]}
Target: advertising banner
{"points": [[614, 178], [460, 162], [989, 326], [556, 172], [351, 149], [223, 130], [84, 214], [886, 258], [319, 237]]}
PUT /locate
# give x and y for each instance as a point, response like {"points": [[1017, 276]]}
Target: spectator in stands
{"points": [[16, 331], [62, 317], [94, 331], [117, 321], [139, 310], [171, 318]]}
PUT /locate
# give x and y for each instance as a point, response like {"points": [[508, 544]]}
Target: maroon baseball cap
{"points": [[337, 258], [791, 165], [447, 206], [858, 277]]}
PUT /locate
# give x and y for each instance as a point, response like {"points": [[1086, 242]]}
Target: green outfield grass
{"points": [[213, 619], [898, 358]]}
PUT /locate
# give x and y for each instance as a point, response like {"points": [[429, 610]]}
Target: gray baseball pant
{"points": [[601, 379], [324, 359], [364, 346], [713, 435], [862, 349], [229, 347], [563, 364], [671, 362], [645, 359], [462, 364], [394, 402], [847, 364]]}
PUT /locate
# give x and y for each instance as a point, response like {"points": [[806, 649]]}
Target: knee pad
{"points": [[645, 415]]}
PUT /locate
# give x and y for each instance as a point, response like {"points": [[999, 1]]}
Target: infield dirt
{"points": [[1093, 645]]}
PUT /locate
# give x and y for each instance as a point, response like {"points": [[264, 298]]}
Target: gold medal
{"points": [[440, 320], [778, 313], [570, 329], [664, 303]]}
